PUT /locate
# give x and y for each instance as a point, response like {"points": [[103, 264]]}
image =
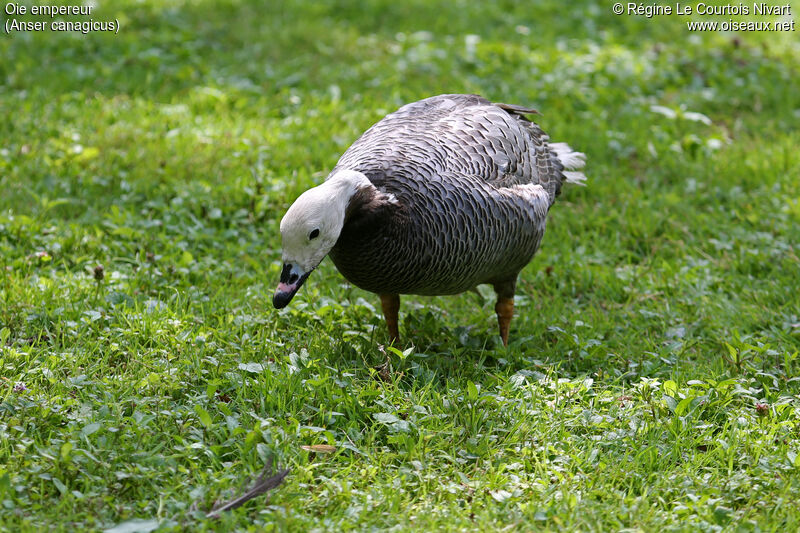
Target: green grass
{"points": [[652, 378]]}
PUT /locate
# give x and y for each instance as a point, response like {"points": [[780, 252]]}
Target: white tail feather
{"points": [[575, 178], [572, 162]]}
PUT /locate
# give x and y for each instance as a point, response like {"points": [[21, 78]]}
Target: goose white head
{"points": [[311, 227]]}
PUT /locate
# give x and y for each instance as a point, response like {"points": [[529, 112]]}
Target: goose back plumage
{"points": [[464, 187]]}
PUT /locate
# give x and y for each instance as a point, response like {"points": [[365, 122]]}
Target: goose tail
{"points": [[572, 161]]}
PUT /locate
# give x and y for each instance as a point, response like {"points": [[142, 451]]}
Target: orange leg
{"points": [[505, 311], [391, 305]]}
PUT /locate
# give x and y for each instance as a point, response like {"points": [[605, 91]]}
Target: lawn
{"points": [[652, 378]]}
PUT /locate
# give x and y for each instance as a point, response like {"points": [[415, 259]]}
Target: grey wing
{"points": [[463, 134]]}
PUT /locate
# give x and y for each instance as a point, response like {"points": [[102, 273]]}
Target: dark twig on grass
{"points": [[264, 482]]}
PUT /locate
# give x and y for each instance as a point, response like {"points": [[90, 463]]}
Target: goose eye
{"points": [[314, 234]]}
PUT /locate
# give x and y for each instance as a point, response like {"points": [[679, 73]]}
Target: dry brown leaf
{"points": [[320, 448]]}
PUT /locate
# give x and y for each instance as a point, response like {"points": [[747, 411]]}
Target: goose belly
{"points": [[436, 254]]}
